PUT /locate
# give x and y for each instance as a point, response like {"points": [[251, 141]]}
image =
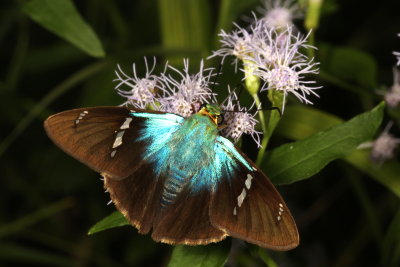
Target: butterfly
{"points": [[176, 177]]}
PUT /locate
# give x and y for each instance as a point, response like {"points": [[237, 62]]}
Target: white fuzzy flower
{"points": [[238, 120], [185, 95], [139, 92], [284, 66], [280, 14], [383, 147], [392, 97], [236, 43]]}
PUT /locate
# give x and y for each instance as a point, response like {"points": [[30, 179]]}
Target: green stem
{"points": [[268, 126], [263, 123], [313, 14]]}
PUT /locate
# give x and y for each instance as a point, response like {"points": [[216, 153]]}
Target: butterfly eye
{"points": [[220, 119]]}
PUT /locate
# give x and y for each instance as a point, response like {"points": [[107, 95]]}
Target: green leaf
{"points": [[300, 122], [350, 65], [115, 219], [61, 18], [299, 160], [213, 255]]}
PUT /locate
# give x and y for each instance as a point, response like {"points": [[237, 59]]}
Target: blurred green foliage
{"points": [[61, 54]]}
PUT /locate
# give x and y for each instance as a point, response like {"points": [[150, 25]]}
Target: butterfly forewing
{"points": [[103, 138], [246, 205]]}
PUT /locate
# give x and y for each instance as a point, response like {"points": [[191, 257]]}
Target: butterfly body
{"points": [[182, 151], [176, 176]]}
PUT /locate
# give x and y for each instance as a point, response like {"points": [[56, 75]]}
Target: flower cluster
{"points": [[140, 92], [238, 120], [270, 50], [183, 95], [273, 55]]}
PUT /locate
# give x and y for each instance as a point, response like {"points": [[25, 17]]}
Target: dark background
{"points": [[48, 200]]}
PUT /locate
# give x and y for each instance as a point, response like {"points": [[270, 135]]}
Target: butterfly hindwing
{"points": [[137, 197], [246, 205], [187, 220]]}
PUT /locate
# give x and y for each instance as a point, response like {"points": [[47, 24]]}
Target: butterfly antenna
{"points": [[238, 86], [217, 76]]}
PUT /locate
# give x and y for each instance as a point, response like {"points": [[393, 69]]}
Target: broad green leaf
{"points": [[299, 160], [350, 65], [115, 219], [62, 18], [300, 122], [213, 255]]}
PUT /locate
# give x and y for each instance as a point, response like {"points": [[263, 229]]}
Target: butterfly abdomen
{"points": [[173, 186], [185, 154]]}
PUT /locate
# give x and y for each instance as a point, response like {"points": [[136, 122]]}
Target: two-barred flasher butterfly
{"points": [[176, 177]]}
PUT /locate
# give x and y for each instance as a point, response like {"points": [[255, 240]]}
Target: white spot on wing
{"points": [[279, 217], [113, 153], [241, 197], [248, 181], [118, 139], [81, 115], [254, 168], [234, 211], [126, 123]]}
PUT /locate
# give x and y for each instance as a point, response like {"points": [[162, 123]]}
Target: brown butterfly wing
{"points": [[187, 220], [137, 197], [247, 206], [103, 138]]}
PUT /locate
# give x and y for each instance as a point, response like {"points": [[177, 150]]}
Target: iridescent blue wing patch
{"points": [[107, 139], [246, 205]]}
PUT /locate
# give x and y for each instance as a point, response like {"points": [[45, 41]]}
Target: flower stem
{"points": [[268, 127], [263, 123]]}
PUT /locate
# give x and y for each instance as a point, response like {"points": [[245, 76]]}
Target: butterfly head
{"points": [[213, 111]]}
